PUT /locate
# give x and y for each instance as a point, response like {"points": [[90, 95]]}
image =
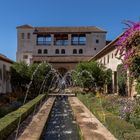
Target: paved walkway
{"points": [[61, 125], [90, 126]]}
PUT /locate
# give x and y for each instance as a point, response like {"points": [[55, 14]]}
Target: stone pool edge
{"points": [[36, 126]]}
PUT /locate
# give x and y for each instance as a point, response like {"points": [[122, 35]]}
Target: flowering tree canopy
{"points": [[128, 47]]}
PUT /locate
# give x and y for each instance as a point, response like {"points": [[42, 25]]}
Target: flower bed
{"points": [[117, 126]]}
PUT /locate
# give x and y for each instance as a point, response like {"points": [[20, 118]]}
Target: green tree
{"points": [[92, 74], [21, 74], [40, 75]]}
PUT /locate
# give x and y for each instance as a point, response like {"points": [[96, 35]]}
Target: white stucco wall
{"points": [[110, 61], [113, 61]]}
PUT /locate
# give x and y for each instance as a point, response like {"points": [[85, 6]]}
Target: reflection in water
{"points": [[61, 125]]}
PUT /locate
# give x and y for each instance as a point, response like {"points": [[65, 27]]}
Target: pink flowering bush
{"points": [[128, 48]]}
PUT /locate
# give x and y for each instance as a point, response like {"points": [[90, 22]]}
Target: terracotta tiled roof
{"points": [[63, 29], [4, 58], [70, 29]]}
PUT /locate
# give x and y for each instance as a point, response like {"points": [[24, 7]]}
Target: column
{"points": [[128, 84], [69, 39], [113, 82], [52, 39]]}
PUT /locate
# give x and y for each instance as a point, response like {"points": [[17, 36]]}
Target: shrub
{"points": [[10, 121], [21, 75], [5, 109], [90, 75], [138, 85], [135, 114], [4, 99]]}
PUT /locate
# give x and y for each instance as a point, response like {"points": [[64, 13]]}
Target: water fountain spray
{"points": [[26, 94]]}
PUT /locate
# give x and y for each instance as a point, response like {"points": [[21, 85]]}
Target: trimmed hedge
{"points": [[9, 123], [118, 127]]}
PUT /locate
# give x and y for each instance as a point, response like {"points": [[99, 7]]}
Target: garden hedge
{"points": [[9, 122], [118, 127]]}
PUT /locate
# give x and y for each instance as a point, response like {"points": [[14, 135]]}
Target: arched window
{"points": [[39, 51], [62, 51], [80, 51], [56, 51], [74, 51], [45, 51]]}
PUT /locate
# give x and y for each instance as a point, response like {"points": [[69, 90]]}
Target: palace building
{"points": [[63, 47]]}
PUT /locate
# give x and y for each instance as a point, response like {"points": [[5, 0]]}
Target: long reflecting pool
{"points": [[61, 125]]}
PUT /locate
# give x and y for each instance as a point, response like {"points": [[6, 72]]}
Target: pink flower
{"points": [[127, 44]]}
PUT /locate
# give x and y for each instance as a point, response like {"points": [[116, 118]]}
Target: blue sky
{"points": [[106, 14]]}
